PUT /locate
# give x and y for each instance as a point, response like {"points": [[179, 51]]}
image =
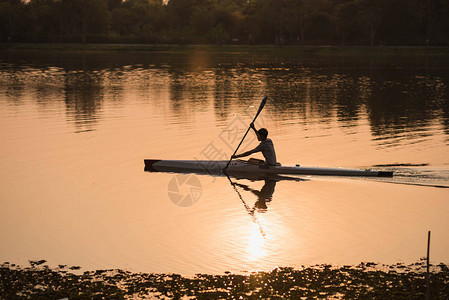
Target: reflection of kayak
{"points": [[215, 167]]}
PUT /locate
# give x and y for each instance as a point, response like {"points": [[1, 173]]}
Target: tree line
{"points": [[280, 22]]}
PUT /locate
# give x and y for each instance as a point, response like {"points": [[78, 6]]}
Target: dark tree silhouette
{"points": [[282, 22]]}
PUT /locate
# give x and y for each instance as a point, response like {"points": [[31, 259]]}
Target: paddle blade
{"points": [[262, 104]]}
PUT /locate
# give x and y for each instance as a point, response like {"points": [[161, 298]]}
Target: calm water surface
{"points": [[75, 129]]}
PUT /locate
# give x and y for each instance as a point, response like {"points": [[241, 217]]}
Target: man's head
{"points": [[262, 134]]}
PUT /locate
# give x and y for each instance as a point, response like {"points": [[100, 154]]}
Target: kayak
{"points": [[215, 167]]}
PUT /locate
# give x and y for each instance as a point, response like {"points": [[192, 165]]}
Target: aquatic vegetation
{"points": [[366, 280]]}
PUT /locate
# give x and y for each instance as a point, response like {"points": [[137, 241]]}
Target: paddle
{"points": [[262, 104]]}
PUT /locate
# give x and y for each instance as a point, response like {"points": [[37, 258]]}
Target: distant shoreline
{"points": [[259, 49]]}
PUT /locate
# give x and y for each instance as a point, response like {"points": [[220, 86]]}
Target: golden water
{"points": [[75, 130]]}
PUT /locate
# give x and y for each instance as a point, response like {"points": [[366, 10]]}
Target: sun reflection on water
{"points": [[256, 243]]}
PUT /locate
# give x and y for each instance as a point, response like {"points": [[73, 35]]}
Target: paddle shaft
{"points": [[262, 104]]}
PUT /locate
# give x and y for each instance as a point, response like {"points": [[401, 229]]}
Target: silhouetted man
{"points": [[266, 147]]}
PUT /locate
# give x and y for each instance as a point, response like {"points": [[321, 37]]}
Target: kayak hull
{"points": [[215, 167]]}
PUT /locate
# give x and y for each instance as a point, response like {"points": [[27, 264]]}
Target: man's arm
{"points": [[250, 151], [245, 153], [253, 127]]}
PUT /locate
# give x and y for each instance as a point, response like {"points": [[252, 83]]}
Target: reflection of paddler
{"points": [[263, 196]]}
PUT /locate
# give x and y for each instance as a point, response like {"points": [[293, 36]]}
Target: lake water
{"points": [[75, 129]]}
